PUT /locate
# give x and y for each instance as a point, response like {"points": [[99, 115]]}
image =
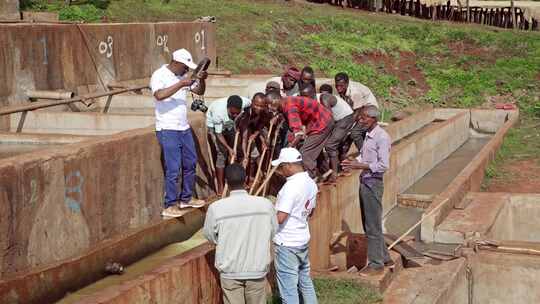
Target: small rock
{"points": [[411, 82]]}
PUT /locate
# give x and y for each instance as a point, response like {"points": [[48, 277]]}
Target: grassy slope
{"points": [[451, 65], [405, 61]]}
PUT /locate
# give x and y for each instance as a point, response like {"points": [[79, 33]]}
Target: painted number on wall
{"points": [[106, 48], [161, 41], [200, 38], [73, 194]]}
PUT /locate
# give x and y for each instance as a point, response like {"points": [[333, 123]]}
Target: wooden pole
{"points": [[417, 224], [212, 167], [274, 141], [233, 157], [263, 154], [513, 13], [268, 177]]}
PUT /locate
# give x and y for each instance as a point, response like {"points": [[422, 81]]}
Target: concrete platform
{"points": [[444, 283], [475, 220]]}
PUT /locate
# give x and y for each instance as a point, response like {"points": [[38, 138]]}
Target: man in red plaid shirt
{"points": [[309, 121]]}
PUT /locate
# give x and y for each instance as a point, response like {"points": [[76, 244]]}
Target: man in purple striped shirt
{"points": [[374, 160]]}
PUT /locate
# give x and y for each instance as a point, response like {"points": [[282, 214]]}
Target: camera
{"points": [[198, 105]]}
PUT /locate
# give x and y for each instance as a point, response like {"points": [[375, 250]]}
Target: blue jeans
{"points": [[292, 273], [178, 149]]}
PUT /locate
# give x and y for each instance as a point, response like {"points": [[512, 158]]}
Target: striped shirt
{"points": [[304, 111]]}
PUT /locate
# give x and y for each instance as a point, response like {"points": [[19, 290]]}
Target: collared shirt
{"points": [[359, 95], [341, 109], [303, 111], [171, 113], [217, 116], [242, 227], [375, 153], [298, 198]]}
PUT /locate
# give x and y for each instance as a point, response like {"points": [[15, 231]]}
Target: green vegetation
{"points": [[330, 291], [405, 61]]}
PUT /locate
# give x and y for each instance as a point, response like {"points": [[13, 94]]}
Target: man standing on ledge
{"points": [[294, 205], [374, 160], [242, 227], [170, 86]]}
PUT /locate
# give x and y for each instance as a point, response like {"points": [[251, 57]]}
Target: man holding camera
{"points": [[170, 86], [221, 123]]}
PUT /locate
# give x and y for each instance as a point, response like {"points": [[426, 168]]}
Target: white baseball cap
{"points": [[287, 155], [183, 56]]}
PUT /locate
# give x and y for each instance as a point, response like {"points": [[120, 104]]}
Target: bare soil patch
{"points": [[519, 176], [403, 67]]}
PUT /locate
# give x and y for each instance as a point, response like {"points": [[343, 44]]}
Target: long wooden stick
{"points": [[212, 167], [263, 154], [248, 154], [233, 157], [268, 177], [417, 224], [274, 141]]}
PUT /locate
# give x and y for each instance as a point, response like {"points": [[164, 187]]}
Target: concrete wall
{"points": [[79, 57], [414, 156], [59, 202], [505, 278], [9, 10], [470, 179], [79, 123], [518, 220]]}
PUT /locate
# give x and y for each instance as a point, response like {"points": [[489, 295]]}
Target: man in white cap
{"points": [[295, 203], [170, 87]]}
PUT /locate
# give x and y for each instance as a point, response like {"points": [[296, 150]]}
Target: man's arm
{"points": [[223, 141], [383, 156], [201, 88], [282, 217], [168, 92]]}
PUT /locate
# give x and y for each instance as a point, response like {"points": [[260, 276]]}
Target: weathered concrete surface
{"points": [[30, 138], [188, 278], [434, 284], [438, 178], [476, 220], [80, 57], [470, 179], [87, 123], [9, 10], [97, 188], [505, 278], [51, 283], [518, 219], [418, 153]]}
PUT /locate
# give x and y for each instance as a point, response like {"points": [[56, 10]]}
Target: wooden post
{"points": [[513, 13], [468, 12]]}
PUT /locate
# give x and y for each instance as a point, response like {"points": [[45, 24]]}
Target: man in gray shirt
{"points": [[242, 227]]}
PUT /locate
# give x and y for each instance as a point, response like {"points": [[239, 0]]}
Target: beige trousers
{"points": [[244, 291]]}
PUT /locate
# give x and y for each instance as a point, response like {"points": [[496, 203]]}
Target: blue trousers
{"points": [[178, 150], [292, 273]]}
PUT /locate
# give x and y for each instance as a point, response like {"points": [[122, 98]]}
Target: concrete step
{"points": [[434, 284]]}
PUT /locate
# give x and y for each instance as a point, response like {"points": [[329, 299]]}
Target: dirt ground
{"points": [[520, 176]]}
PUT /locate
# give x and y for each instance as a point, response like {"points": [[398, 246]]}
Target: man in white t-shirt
{"points": [[295, 203], [170, 87]]}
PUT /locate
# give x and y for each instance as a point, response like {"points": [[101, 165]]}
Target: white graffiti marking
{"points": [[106, 47], [200, 38], [161, 41]]}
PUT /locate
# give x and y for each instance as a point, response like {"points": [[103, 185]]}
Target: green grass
{"points": [[330, 291]]}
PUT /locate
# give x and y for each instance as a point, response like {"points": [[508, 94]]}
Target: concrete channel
{"points": [[80, 189]]}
